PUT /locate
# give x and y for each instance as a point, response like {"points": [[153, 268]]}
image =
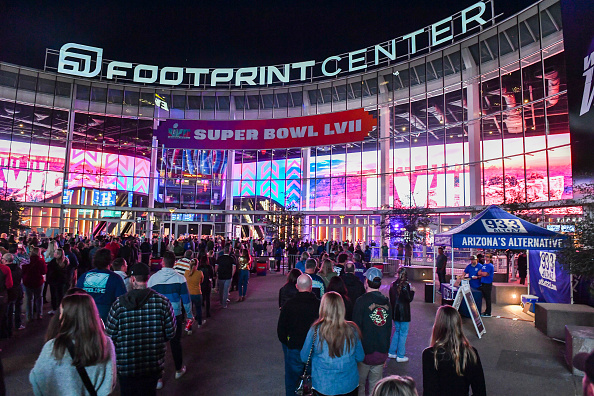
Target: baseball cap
{"points": [[473, 257], [373, 273], [140, 269], [585, 362]]}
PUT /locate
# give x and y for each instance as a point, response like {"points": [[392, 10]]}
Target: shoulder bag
{"points": [[305, 386], [83, 373]]}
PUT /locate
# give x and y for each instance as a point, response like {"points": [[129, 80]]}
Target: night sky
{"points": [[217, 33]]}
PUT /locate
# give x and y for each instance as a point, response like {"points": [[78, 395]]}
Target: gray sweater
{"points": [[59, 377]]}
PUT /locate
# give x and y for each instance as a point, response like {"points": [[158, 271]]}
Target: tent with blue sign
{"points": [[494, 228]]}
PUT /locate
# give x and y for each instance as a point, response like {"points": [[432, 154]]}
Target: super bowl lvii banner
{"points": [[548, 281]]}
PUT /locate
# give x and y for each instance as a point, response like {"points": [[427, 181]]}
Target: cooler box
{"points": [[156, 264], [529, 299], [379, 266], [261, 269]]}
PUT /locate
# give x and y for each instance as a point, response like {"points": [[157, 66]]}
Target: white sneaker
{"points": [[402, 359], [180, 373], [51, 312], [391, 356], [159, 384]]}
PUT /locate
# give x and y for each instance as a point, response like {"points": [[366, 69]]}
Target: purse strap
{"points": [[313, 342], [83, 373]]}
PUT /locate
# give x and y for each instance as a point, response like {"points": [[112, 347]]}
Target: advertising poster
{"points": [[578, 37], [548, 281]]}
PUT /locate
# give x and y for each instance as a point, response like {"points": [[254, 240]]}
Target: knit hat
{"points": [[140, 269]]}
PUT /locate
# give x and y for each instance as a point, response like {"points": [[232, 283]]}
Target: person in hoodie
{"points": [[354, 286], [372, 315], [103, 285], [33, 281], [172, 285], [140, 323]]}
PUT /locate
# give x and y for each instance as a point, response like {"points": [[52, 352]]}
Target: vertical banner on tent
{"points": [[548, 281], [578, 39]]}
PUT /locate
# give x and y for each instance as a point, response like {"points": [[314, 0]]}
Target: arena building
{"points": [[469, 111]]}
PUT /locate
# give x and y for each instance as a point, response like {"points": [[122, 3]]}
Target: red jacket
{"points": [[7, 277], [33, 272]]}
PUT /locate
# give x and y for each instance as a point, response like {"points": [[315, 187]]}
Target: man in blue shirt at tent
{"points": [[472, 270], [486, 274]]}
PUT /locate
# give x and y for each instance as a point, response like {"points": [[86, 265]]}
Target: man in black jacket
{"points": [[372, 315], [354, 286], [294, 322]]}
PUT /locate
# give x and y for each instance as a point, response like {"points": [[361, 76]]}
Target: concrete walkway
{"points": [[237, 351]]}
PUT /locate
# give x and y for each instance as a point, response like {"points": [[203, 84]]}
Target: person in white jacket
{"points": [[78, 341]]}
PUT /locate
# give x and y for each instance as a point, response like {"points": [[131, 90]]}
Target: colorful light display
{"points": [[35, 172]]}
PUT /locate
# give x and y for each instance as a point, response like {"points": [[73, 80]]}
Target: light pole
{"points": [[171, 211]]}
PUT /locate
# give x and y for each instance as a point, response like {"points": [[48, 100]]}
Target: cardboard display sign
{"points": [[465, 292]]}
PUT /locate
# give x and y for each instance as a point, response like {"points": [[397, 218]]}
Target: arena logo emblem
{"points": [[87, 61]]}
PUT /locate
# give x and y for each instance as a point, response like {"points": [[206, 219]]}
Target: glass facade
{"points": [[483, 121]]}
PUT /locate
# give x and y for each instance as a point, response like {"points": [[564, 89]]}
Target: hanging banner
{"points": [[548, 281], [318, 130]]}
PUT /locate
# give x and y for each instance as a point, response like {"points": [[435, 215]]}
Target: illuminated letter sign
{"points": [[77, 60], [325, 129]]}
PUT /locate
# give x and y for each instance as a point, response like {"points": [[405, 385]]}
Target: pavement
{"points": [[237, 352]]}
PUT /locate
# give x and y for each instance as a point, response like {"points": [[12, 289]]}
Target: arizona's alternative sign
{"points": [[548, 281], [325, 129]]}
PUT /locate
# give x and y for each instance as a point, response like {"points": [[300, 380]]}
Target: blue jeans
{"points": [[244, 277], [224, 285], [197, 303], [398, 344], [293, 369]]}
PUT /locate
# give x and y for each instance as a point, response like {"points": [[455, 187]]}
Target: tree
{"points": [[10, 216], [577, 255], [402, 223]]}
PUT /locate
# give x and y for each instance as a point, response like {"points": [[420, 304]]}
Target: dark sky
{"points": [[216, 33]]}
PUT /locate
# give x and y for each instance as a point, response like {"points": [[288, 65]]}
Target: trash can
{"points": [[261, 268], [429, 292]]}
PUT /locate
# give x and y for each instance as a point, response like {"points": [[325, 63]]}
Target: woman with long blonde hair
{"points": [[327, 271], [48, 255], [335, 347], [451, 365]]}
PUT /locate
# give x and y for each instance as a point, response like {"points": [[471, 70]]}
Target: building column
{"points": [[229, 193], [473, 101], [66, 172], [151, 193]]}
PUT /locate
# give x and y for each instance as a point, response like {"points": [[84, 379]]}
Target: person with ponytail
{"points": [[336, 350], [451, 366], [78, 347]]}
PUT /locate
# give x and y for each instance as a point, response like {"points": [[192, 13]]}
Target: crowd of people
{"points": [[335, 327], [117, 302]]}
